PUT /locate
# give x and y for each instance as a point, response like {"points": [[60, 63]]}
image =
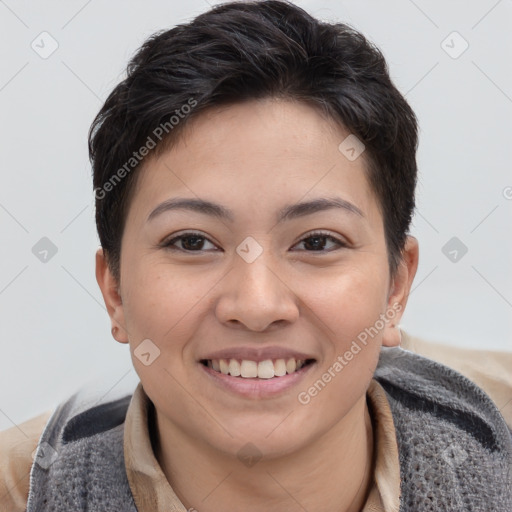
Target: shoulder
{"points": [[84, 440], [452, 439], [16, 447], [489, 369]]}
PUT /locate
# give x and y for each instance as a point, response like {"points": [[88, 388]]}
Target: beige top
{"points": [[491, 370]]}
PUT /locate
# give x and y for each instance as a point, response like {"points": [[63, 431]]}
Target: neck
{"points": [[332, 473]]}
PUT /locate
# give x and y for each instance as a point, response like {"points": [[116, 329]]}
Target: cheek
{"points": [[166, 305], [159, 302], [350, 309], [350, 300], [159, 307]]}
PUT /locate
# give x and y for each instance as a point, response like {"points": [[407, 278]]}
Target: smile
{"points": [[247, 369]]}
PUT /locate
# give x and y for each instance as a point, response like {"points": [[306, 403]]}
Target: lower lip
{"points": [[257, 388]]}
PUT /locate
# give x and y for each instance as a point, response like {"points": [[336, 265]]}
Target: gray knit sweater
{"points": [[455, 448]]}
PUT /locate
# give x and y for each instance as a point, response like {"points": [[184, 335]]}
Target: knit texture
{"points": [[455, 448], [79, 463]]}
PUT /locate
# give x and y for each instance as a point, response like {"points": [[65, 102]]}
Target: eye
{"points": [[194, 242], [317, 241], [190, 242]]}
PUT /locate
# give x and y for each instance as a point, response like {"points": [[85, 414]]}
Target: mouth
{"points": [[265, 370]]}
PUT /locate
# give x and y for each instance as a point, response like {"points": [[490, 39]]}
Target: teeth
{"points": [[291, 365], [266, 369], [234, 368], [224, 367], [280, 368], [251, 369]]}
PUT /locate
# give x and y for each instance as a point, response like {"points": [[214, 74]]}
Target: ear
{"points": [[399, 292], [111, 295]]}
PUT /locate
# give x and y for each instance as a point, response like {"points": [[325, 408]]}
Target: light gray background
{"points": [[54, 329]]}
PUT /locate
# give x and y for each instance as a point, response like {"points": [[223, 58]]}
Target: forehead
{"points": [[262, 151], [269, 127]]}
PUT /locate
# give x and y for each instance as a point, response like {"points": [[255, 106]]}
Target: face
{"points": [[276, 287]]}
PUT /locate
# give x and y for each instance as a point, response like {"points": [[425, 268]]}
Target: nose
{"points": [[256, 295]]}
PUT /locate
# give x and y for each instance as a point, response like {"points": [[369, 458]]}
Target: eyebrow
{"points": [[289, 212]]}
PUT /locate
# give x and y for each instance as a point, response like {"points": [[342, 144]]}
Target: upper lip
{"points": [[256, 354]]}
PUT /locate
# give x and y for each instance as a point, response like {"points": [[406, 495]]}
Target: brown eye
{"points": [[316, 242], [190, 242]]}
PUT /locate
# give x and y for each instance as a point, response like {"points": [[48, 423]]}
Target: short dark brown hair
{"points": [[239, 51]]}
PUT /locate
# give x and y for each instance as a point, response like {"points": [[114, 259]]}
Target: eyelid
{"points": [[326, 234], [168, 241]]}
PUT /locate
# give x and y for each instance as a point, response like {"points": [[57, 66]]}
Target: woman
{"points": [[254, 179]]}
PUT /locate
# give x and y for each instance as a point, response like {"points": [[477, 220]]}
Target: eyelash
{"points": [[320, 234]]}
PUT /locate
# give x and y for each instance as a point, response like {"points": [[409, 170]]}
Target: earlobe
{"points": [[111, 295], [400, 289], [392, 336]]}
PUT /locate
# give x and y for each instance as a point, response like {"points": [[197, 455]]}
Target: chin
{"points": [[269, 437]]}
